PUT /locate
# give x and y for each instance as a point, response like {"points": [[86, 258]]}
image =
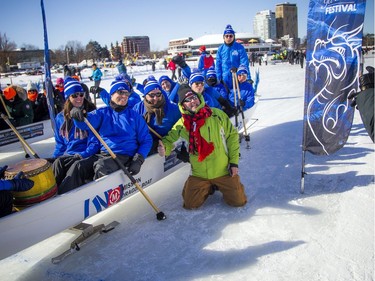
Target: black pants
{"points": [[89, 169], [61, 167], [6, 203]]}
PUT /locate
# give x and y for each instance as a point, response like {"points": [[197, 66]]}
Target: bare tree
{"points": [[6, 47]]}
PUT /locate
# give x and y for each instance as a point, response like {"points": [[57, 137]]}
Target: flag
{"points": [[334, 45], [47, 72]]}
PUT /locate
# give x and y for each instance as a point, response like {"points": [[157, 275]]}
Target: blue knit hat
{"points": [[196, 76], [165, 78], [71, 86], [211, 73], [228, 30], [151, 84], [118, 85], [242, 70]]}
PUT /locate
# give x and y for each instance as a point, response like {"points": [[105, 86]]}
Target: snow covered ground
{"points": [[325, 234]]}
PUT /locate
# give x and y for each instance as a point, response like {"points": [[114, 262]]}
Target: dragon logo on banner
{"points": [[333, 53]]}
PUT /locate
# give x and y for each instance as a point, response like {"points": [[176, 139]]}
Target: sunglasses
{"points": [[229, 36], [76, 95], [190, 99], [123, 92], [199, 83], [158, 94]]}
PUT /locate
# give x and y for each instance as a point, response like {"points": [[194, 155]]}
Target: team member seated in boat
{"points": [[38, 102], [72, 143], [168, 85], [210, 95], [159, 112], [133, 99], [18, 183], [213, 149], [246, 90], [124, 131], [212, 81], [18, 106]]}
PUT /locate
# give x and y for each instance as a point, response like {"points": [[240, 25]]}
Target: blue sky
{"points": [[162, 20]]}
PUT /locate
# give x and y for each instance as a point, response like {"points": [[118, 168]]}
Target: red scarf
{"points": [[193, 123]]}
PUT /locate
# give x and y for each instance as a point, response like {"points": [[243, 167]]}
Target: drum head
{"points": [[28, 167]]}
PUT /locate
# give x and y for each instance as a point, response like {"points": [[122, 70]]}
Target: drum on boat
{"points": [[40, 172]]}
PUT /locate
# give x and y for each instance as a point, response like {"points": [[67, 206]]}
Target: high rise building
{"points": [[135, 44], [264, 25], [286, 20]]}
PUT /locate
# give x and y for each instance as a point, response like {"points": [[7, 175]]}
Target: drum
{"points": [[40, 172]]}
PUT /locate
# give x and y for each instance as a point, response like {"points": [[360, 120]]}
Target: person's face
{"points": [[191, 103], [166, 85], [198, 87], [77, 99], [120, 97], [154, 96], [228, 38], [242, 78]]}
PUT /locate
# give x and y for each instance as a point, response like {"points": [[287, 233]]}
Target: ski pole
{"points": [[159, 215], [247, 136], [235, 100]]}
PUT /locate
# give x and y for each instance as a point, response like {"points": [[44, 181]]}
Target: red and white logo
{"points": [[114, 196]]}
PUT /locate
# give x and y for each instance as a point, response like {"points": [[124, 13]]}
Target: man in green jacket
{"points": [[213, 149]]}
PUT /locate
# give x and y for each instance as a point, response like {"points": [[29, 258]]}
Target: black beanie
{"points": [[184, 91]]}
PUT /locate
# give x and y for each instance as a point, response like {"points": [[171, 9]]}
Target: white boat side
{"points": [[61, 212]]}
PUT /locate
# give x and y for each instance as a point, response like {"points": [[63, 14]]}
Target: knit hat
{"points": [[211, 73], [202, 48], [165, 78], [242, 70], [118, 85], [228, 30], [9, 93], [151, 84], [71, 86], [184, 91], [59, 81], [31, 86], [196, 76]]}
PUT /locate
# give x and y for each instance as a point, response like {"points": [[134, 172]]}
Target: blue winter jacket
{"points": [[124, 132], [85, 147], [171, 115], [247, 95], [228, 57], [6, 185], [97, 74], [220, 89]]}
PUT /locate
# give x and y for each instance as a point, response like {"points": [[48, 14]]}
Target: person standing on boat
{"points": [[213, 148], [159, 112], [124, 131], [72, 143], [246, 90], [229, 57], [18, 183]]}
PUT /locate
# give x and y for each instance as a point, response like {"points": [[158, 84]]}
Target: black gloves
{"points": [[2, 171], [233, 69], [242, 103], [20, 183], [226, 106], [183, 154], [90, 78], [95, 90], [179, 60], [77, 114], [135, 164]]}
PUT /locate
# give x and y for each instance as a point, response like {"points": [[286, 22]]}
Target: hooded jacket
{"points": [[217, 129]]}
